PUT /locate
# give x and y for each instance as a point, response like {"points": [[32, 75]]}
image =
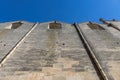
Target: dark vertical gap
{"points": [[89, 54], [109, 24], [14, 46]]}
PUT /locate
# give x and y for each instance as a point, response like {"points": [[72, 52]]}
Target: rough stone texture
{"points": [[107, 49], [58, 53], [10, 37], [49, 54]]}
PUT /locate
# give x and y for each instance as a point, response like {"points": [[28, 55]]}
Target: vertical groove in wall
{"points": [[109, 24], [18, 43], [91, 54]]}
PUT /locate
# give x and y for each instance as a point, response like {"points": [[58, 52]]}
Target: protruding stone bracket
{"points": [[95, 26], [14, 25], [55, 25]]}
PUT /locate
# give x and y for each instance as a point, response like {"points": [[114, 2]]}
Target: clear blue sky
{"points": [[63, 10]]}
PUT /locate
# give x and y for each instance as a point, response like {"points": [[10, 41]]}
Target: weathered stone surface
{"points": [[48, 54], [58, 53], [106, 47]]}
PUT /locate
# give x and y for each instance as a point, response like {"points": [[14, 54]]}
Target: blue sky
{"points": [[63, 10]]}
